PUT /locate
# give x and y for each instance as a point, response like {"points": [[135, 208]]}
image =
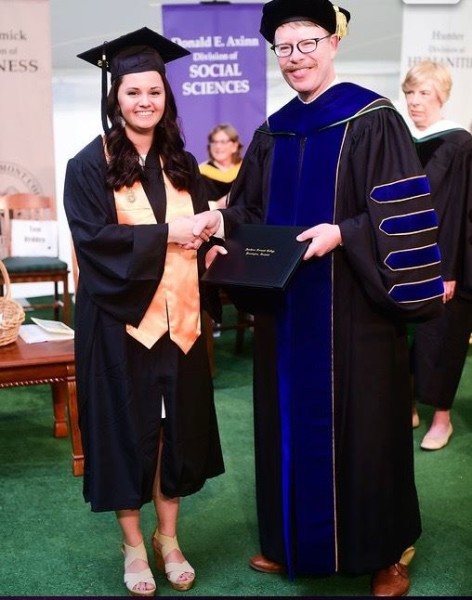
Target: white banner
{"points": [[441, 30], [26, 132]]}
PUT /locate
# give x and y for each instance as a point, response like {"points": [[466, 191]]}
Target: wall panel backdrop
{"points": [[27, 161], [26, 140]]}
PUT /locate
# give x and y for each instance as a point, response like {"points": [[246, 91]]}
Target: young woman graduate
{"points": [[145, 394]]}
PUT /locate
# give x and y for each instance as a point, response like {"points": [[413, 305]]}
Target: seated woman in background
{"points": [[219, 172], [444, 148]]}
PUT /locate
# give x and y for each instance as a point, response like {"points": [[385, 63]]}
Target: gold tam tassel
{"points": [[341, 23]]}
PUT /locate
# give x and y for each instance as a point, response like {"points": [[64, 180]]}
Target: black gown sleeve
{"points": [[380, 162], [464, 283], [248, 197], [442, 158]]}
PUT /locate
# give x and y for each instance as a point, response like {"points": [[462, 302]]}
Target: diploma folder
{"points": [[260, 263]]}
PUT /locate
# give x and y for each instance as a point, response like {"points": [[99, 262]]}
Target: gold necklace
{"points": [[130, 195]]}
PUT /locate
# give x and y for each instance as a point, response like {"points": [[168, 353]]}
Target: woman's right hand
{"points": [[181, 232]]}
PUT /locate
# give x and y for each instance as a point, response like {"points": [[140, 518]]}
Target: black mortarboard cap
{"points": [[136, 52], [322, 12]]}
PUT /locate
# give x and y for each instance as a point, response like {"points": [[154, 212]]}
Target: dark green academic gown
{"points": [[120, 383], [332, 403]]}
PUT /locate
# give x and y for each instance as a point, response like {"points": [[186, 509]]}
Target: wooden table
{"points": [[47, 363]]}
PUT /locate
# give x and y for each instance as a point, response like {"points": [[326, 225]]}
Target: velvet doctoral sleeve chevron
{"points": [[392, 240]]}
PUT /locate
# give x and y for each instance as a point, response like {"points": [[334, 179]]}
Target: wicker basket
{"points": [[12, 314]]}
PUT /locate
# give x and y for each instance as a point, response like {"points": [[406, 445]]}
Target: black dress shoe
{"points": [[260, 563], [392, 581]]}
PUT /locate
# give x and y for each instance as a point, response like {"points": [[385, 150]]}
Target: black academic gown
{"points": [[120, 383], [440, 345], [367, 477], [216, 188]]}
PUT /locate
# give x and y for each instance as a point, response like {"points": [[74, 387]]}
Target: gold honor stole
{"points": [[212, 172], [175, 306]]}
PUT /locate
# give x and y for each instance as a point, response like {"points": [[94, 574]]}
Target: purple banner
{"points": [[224, 80]]}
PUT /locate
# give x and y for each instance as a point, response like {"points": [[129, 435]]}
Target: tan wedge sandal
{"points": [[131, 580], [163, 545]]}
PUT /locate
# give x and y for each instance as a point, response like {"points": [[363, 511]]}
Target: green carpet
{"points": [[53, 545]]}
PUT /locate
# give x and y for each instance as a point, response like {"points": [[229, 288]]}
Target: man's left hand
{"points": [[324, 238]]}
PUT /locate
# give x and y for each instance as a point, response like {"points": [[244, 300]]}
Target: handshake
{"points": [[191, 232]]}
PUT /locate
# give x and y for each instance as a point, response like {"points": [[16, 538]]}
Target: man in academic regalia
{"points": [[332, 402]]}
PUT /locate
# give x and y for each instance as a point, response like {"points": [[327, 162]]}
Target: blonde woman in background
{"points": [[444, 148], [222, 166]]}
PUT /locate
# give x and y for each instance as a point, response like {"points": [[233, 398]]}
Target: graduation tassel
{"points": [[341, 23], [104, 65]]}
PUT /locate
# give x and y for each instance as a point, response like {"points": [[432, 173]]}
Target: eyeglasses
{"points": [[305, 47]]}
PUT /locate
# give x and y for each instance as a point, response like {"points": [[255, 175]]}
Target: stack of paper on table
{"points": [[45, 330]]}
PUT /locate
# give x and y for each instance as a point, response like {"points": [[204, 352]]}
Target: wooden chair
{"points": [[33, 269]]}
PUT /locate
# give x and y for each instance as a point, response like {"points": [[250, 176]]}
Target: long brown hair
{"points": [[124, 168]]}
